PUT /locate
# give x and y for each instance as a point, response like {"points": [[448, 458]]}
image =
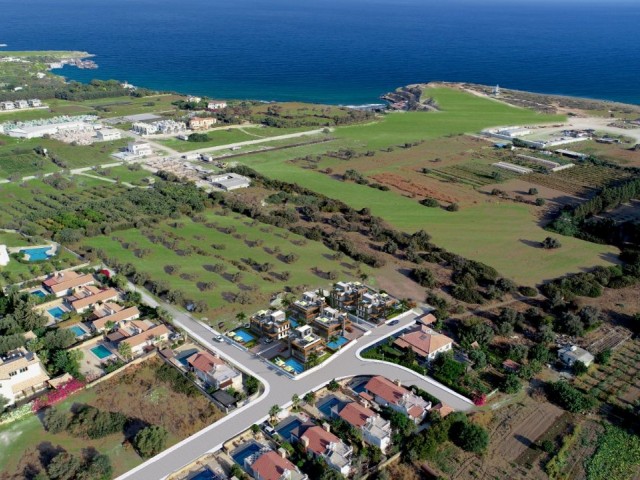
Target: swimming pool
{"points": [[56, 312], [336, 344], [285, 430], [101, 352], [244, 452], [295, 364], [205, 474], [37, 253], [293, 322], [244, 335], [77, 330], [38, 293], [327, 405]]}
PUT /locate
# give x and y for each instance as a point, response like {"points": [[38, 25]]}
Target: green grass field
{"points": [[500, 234], [242, 246], [11, 239], [223, 136], [124, 174]]}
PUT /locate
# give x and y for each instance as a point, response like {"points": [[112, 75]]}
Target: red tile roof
{"points": [[386, 389], [319, 439], [444, 409], [271, 466], [203, 361], [356, 414], [126, 314], [100, 296], [423, 341], [67, 280], [157, 331], [416, 411]]}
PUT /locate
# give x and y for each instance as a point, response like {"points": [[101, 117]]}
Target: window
{"points": [[12, 374], [24, 369]]}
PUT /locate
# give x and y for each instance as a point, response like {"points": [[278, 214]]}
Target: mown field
{"points": [[502, 234], [209, 261], [222, 136]]}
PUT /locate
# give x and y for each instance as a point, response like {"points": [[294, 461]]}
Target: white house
{"points": [[375, 429], [216, 105], [35, 102], [4, 256], [571, 354], [142, 128], [230, 181], [139, 149], [21, 104], [387, 393], [21, 375], [213, 371], [7, 106], [108, 134]]}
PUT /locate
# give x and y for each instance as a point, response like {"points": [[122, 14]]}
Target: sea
{"points": [[346, 52]]}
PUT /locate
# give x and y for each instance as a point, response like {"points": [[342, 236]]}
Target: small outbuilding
{"points": [[571, 354]]}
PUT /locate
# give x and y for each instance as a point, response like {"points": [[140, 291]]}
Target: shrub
{"points": [[453, 207], [150, 441], [56, 421], [511, 384], [429, 202], [569, 397], [470, 437]]}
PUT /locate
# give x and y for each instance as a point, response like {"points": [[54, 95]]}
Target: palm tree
{"points": [[310, 398], [124, 349], [274, 411], [295, 401]]}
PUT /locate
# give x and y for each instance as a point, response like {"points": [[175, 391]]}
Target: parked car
{"points": [[218, 338], [268, 340], [393, 322], [268, 429]]}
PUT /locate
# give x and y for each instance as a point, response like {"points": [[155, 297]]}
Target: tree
{"points": [[540, 202], [150, 441], [579, 368], [470, 437], [602, 358], [98, 469], [550, 243], [310, 398], [569, 397], [401, 423], [453, 207], [255, 428], [333, 385], [533, 191], [64, 466], [424, 277], [479, 359], [251, 384], [4, 401], [511, 384], [295, 401], [429, 202], [68, 361], [56, 421], [124, 349], [274, 411]]}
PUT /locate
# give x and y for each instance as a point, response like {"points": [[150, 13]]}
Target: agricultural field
{"points": [[583, 180], [227, 261], [224, 136], [621, 154], [123, 106], [127, 173], [617, 383], [136, 393]]}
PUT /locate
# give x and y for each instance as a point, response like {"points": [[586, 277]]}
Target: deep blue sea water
{"points": [[340, 51]]}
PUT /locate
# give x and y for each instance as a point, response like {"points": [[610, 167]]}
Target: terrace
{"points": [[308, 307], [330, 323], [303, 343], [272, 324]]}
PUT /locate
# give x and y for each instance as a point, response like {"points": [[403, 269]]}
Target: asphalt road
{"points": [[279, 388]]}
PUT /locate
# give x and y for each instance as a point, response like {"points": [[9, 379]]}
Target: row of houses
{"points": [[20, 104]]}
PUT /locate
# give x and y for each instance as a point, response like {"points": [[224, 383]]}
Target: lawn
{"points": [[124, 174], [222, 136], [11, 239], [197, 274], [135, 393], [501, 234]]}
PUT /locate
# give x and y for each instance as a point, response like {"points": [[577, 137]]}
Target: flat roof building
{"points": [[230, 181]]}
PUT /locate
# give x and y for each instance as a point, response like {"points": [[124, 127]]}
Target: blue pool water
{"points": [[336, 344], [56, 312], [246, 336], [245, 452], [295, 364], [38, 293], [36, 254], [205, 474], [285, 430], [77, 331], [293, 322], [101, 352], [326, 407]]}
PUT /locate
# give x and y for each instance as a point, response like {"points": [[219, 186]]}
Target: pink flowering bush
{"points": [[58, 395]]}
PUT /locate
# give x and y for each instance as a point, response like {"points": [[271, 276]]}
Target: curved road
{"points": [[279, 388]]}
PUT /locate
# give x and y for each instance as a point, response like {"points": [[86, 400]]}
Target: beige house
{"points": [[21, 375]]}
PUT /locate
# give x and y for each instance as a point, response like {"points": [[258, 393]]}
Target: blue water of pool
{"points": [[36, 254], [245, 452], [242, 333], [38, 293], [295, 364], [56, 312], [77, 331], [205, 474], [326, 407], [293, 323], [336, 344], [101, 352], [285, 430]]}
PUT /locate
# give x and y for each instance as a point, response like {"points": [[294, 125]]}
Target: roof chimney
{"points": [[282, 452], [397, 382], [305, 441], [326, 426]]}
